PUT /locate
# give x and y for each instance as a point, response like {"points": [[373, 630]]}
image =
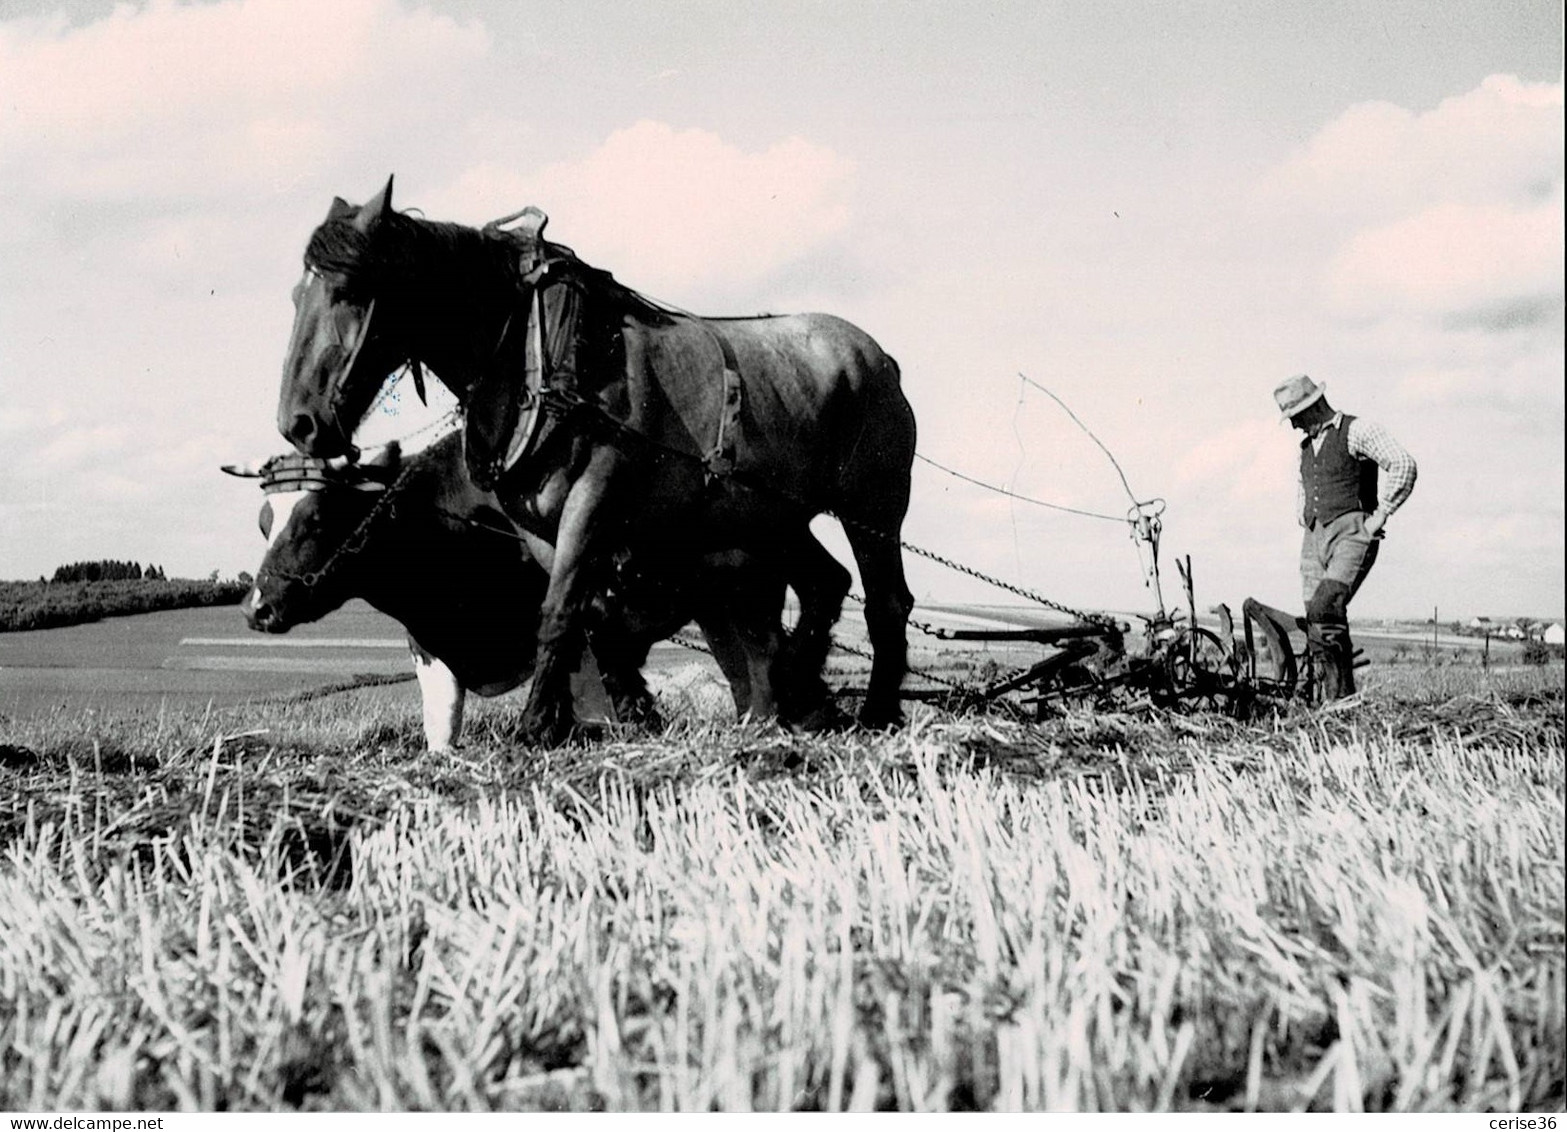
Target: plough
{"points": [[1180, 664]]}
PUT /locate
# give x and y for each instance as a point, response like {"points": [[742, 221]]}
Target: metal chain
{"points": [[926, 627], [939, 633], [570, 401], [688, 643], [685, 642], [1020, 591], [451, 418], [866, 654], [354, 543]]}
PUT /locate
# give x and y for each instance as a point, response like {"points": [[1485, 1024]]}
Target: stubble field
{"points": [[283, 905]]}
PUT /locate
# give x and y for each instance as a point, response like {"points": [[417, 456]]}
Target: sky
{"points": [[1157, 211]]}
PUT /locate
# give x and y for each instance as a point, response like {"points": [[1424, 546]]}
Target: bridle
{"points": [[336, 388], [355, 541], [292, 473]]}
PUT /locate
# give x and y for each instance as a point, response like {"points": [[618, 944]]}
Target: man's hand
{"points": [[1374, 524]]}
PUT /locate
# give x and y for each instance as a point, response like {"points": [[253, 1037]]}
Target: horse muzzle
{"points": [[261, 615]]}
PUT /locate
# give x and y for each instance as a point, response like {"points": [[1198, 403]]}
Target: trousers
{"points": [[1335, 558]]}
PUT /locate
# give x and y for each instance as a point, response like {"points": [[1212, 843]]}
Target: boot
{"points": [[1330, 675], [1346, 667], [1327, 636]]}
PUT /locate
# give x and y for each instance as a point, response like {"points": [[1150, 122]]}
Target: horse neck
{"points": [[457, 298]]}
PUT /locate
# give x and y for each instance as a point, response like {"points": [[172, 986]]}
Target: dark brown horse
{"points": [[673, 435]]}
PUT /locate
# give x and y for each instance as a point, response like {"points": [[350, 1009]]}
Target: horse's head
{"points": [[321, 548], [340, 352]]}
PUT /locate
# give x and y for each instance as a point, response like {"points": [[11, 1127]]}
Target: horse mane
{"points": [[368, 259], [398, 248]]}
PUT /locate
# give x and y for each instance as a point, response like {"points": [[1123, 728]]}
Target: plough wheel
{"points": [[1198, 670]]}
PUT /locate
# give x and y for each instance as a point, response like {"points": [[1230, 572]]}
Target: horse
{"points": [[421, 543], [603, 420]]}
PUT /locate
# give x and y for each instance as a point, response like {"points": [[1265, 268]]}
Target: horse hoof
{"points": [[825, 716], [644, 714], [550, 731], [881, 721]]}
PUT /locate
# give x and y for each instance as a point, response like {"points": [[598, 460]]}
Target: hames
{"points": [[418, 541]]}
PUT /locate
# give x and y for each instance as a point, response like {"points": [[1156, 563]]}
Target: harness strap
{"points": [[720, 458], [529, 415]]}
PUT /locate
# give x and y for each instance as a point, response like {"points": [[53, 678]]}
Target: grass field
{"points": [[270, 906]]}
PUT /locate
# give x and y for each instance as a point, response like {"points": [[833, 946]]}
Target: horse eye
{"points": [[265, 519], [347, 328]]}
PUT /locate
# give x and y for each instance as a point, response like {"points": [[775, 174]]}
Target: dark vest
{"points": [[1336, 482]]}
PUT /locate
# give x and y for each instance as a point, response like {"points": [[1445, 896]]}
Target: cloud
{"points": [[672, 209], [1491, 266], [1501, 141], [165, 163], [1451, 218], [1435, 241], [174, 101]]}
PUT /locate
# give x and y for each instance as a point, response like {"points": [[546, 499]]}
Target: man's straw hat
{"points": [[1298, 393]]}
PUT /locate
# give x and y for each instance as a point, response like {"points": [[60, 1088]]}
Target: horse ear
{"points": [[340, 208], [376, 207]]}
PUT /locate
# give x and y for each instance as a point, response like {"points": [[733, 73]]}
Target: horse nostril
{"points": [[301, 430], [257, 612]]}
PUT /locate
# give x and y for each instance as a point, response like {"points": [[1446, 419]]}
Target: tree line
{"points": [[48, 604], [106, 570]]}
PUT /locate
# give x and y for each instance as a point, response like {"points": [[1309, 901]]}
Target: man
{"points": [[1344, 511]]}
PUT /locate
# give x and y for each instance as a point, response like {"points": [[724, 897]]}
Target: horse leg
{"points": [[820, 582], [742, 618], [583, 526], [873, 490], [621, 655], [756, 610], [887, 605], [730, 654]]}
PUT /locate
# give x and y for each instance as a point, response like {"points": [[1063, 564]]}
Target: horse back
{"points": [[810, 384]]}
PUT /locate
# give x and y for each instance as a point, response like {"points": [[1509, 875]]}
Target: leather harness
{"points": [[539, 401]]}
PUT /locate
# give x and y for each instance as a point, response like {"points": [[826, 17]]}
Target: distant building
{"points": [[1481, 624], [1555, 635]]}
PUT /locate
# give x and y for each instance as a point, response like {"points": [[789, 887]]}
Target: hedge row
{"points": [[52, 605]]}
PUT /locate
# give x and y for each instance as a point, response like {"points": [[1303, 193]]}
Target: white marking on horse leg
{"points": [[443, 697]]}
